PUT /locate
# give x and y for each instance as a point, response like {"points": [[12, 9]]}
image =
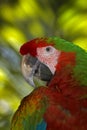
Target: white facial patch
{"points": [[49, 56]]}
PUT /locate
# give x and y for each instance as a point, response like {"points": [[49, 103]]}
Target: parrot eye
{"points": [[48, 49]]}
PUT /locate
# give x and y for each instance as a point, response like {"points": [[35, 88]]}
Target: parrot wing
{"points": [[29, 115], [48, 109]]}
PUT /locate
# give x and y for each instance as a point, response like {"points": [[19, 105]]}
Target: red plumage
{"points": [[62, 104], [31, 46], [66, 58]]}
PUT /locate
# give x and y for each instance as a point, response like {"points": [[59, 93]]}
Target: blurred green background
{"points": [[22, 20]]}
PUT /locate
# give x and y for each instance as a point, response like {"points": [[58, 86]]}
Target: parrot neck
{"points": [[66, 58], [64, 81]]}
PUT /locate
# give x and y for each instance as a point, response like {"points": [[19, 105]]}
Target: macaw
{"points": [[57, 69]]}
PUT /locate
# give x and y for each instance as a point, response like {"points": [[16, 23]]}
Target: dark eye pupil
{"points": [[48, 49]]}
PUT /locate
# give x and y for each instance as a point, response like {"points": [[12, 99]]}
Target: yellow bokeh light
{"points": [[82, 42], [7, 13], [28, 7], [14, 36], [36, 29], [81, 4]]}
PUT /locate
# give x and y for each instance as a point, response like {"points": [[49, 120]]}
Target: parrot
{"points": [[57, 70]]}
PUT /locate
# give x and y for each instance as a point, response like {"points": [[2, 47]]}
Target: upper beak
{"points": [[35, 72]]}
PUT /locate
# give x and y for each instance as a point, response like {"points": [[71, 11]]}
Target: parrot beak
{"points": [[36, 73]]}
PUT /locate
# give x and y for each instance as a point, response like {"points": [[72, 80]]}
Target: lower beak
{"points": [[36, 73]]}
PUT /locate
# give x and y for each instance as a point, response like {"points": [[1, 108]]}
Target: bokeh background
{"points": [[22, 20]]}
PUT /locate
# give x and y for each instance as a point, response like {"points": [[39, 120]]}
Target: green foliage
{"points": [[22, 20]]}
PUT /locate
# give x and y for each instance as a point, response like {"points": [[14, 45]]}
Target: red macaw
{"points": [[59, 101]]}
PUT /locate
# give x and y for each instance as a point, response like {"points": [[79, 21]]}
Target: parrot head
{"points": [[39, 60], [42, 57]]}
